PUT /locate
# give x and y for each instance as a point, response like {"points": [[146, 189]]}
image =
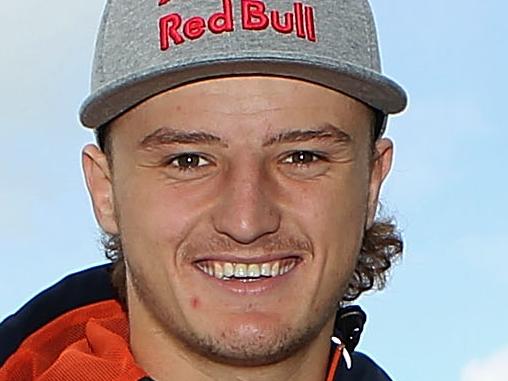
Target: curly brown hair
{"points": [[382, 246]]}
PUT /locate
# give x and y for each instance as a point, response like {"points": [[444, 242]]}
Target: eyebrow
{"points": [[167, 136], [326, 131]]}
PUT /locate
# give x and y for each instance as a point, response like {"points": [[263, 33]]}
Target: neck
{"points": [[165, 358]]}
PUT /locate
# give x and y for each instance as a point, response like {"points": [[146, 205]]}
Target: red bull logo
{"points": [[255, 16]]}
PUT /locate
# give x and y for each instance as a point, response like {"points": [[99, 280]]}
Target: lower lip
{"points": [[263, 285]]}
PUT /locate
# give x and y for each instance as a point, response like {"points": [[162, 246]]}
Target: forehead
{"points": [[253, 106]]}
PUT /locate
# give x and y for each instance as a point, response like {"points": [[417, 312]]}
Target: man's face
{"points": [[241, 204]]}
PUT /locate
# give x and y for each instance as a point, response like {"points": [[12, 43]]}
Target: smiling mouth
{"points": [[247, 272]]}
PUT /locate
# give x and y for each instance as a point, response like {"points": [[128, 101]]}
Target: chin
{"points": [[250, 341]]}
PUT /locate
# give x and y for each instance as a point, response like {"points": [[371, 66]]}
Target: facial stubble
{"points": [[269, 346]]}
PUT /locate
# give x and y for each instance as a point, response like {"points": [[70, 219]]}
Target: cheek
{"points": [[334, 204], [155, 217], [333, 215]]}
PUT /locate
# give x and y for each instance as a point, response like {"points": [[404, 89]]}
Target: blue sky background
{"points": [[443, 316]]}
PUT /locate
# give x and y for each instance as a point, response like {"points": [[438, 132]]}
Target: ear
{"points": [[381, 165], [99, 183]]}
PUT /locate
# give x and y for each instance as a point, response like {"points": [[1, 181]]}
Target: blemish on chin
{"points": [[195, 302]]}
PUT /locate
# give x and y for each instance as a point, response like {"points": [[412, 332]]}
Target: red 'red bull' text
{"points": [[254, 16]]}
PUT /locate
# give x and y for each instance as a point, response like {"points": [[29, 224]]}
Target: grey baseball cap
{"points": [[145, 47]]}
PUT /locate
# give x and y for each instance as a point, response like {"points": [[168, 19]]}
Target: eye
{"points": [[188, 161], [301, 158]]}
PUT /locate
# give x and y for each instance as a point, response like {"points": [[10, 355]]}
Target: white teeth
{"points": [[218, 272], [265, 269], [240, 270], [229, 270], [275, 269], [289, 265], [246, 271], [253, 271]]}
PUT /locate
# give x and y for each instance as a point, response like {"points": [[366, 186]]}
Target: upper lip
{"points": [[252, 258]]}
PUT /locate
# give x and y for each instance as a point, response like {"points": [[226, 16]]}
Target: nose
{"points": [[246, 210]]}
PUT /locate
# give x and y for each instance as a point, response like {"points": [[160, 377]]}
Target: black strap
{"points": [[349, 324]]}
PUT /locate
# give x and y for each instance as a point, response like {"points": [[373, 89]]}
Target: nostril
{"points": [[245, 228]]}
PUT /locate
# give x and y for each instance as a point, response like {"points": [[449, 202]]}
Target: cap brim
{"points": [[372, 88]]}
